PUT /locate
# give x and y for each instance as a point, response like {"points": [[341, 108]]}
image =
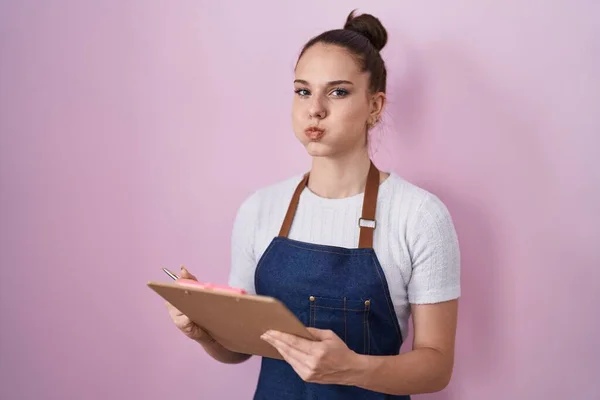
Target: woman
{"points": [[352, 251]]}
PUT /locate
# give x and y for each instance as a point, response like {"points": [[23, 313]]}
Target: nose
{"points": [[317, 109]]}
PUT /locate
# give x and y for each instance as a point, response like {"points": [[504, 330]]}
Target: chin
{"points": [[318, 149]]}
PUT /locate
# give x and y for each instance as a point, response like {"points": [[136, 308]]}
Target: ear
{"points": [[377, 102]]}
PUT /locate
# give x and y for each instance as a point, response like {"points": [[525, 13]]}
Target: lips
{"points": [[314, 133]]}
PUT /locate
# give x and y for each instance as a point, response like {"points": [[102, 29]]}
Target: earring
{"points": [[372, 122]]}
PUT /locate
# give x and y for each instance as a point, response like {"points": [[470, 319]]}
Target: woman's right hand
{"points": [[186, 325]]}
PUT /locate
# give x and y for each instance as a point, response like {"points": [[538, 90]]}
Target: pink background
{"points": [[132, 130]]}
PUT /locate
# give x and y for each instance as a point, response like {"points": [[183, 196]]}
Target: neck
{"points": [[340, 177]]}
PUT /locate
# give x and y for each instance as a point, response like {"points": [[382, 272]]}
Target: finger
{"points": [[321, 334], [301, 344], [189, 327], [185, 324], [185, 274], [297, 365], [172, 309], [290, 350]]}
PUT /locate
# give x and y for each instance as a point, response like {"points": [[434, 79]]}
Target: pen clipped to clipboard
{"points": [[171, 274], [176, 277]]}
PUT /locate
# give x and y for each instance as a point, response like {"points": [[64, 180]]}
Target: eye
{"points": [[302, 92], [338, 92]]}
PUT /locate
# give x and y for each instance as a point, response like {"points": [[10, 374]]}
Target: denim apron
{"points": [[329, 287]]}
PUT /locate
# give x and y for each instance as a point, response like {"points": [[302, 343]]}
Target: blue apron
{"points": [[329, 287]]}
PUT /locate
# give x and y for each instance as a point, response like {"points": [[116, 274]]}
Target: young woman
{"points": [[351, 250]]}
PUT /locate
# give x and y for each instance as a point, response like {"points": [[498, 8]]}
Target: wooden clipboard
{"points": [[235, 320]]}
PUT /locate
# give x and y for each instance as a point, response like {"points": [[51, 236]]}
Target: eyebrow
{"points": [[331, 83]]}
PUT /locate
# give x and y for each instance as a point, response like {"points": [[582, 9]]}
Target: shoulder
{"points": [[416, 199], [422, 209]]}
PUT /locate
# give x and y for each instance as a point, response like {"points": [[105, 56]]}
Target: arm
{"points": [[433, 292], [425, 369]]}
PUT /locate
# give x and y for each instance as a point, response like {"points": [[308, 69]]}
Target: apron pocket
{"points": [[348, 318]]}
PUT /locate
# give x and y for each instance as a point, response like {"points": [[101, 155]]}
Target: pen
{"points": [[172, 275]]}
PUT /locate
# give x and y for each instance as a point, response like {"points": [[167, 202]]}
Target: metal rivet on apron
{"points": [[367, 303], [311, 298]]}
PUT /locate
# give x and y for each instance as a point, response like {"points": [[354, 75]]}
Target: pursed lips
{"points": [[314, 133]]}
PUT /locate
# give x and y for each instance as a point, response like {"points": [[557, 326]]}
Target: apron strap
{"points": [[367, 221], [289, 216]]}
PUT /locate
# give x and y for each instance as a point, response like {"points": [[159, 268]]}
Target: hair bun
{"points": [[368, 26]]}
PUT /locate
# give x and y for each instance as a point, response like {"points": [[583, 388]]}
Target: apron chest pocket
{"points": [[348, 318]]}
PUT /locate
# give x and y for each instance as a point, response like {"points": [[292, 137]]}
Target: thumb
{"points": [[185, 274], [321, 334]]}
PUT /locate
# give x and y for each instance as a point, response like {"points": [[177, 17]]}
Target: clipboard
{"points": [[234, 319]]}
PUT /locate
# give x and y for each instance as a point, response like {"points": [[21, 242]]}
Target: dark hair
{"points": [[363, 36]]}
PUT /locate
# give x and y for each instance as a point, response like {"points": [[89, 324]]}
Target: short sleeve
{"points": [[435, 253], [243, 259]]}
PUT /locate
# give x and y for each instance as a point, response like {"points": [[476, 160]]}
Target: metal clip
{"points": [[367, 223]]}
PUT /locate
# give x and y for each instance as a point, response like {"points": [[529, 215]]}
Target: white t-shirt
{"points": [[415, 240]]}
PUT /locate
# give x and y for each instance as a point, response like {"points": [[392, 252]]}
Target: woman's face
{"points": [[332, 102]]}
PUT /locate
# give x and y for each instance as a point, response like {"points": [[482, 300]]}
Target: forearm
{"points": [[423, 370], [220, 353]]}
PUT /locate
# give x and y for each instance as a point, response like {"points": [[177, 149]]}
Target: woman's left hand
{"points": [[327, 359]]}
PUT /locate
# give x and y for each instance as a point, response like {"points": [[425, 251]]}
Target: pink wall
{"points": [[131, 131]]}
